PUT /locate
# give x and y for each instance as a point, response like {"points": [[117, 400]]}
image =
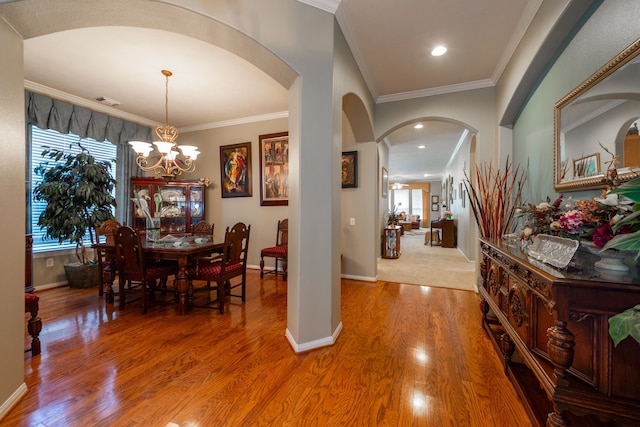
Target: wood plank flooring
{"points": [[407, 356]]}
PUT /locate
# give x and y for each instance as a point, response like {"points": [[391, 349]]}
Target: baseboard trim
{"points": [[13, 400], [312, 345], [363, 278]]}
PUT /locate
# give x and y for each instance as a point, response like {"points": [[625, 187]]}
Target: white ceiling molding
{"points": [[479, 84], [239, 121], [327, 5]]}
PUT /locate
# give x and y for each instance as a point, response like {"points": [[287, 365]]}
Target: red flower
{"points": [[604, 233]]}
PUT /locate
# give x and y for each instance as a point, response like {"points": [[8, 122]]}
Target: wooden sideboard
{"points": [[551, 328]]}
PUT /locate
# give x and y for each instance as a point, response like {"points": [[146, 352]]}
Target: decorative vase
{"points": [[153, 228], [610, 259]]}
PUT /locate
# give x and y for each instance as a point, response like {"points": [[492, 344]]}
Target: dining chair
{"points": [[279, 251], [134, 275], [203, 229], [104, 234], [219, 270]]}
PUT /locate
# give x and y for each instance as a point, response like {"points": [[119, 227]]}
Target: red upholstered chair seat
{"points": [[275, 251], [30, 299], [211, 272]]}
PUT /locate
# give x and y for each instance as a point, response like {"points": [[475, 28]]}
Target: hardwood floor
{"points": [[407, 356]]}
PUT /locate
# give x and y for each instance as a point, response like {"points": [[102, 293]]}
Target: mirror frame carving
{"points": [[595, 181]]}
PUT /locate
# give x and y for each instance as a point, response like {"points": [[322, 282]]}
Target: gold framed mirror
{"points": [[596, 121]]}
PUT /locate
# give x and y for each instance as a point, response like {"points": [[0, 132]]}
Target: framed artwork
{"points": [[586, 166], [274, 169], [235, 170], [350, 169], [435, 207], [463, 196], [385, 182], [435, 199]]}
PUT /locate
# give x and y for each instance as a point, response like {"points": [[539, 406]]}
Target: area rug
{"points": [[414, 232], [426, 265]]}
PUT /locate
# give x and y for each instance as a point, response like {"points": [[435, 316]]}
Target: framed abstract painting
{"points": [[235, 170]]}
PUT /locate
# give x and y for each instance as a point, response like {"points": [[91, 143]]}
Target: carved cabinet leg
{"points": [[507, 347], [560, 347], [484, 308]]}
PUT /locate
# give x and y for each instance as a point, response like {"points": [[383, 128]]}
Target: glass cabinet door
{"points": [[196, 196], [173, 208]]}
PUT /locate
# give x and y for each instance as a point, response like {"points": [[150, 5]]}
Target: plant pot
{"points": [[81, 276]]}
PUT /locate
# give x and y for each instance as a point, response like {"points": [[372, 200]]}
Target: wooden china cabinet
{"points": [[180, 204], [551, 327]]}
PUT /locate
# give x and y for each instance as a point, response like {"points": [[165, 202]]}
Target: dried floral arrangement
{"points": [[494, 195]]}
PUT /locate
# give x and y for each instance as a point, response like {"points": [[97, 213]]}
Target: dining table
{"points": [[184, 254]]}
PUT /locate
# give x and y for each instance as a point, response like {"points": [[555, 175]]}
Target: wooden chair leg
{"points": [[284, 269], [34, 327], [261, 266]]}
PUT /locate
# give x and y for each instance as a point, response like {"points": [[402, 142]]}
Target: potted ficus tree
{"points": [[78, 191]]}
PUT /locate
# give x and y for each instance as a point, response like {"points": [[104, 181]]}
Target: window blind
{"points": [[102, 151]]}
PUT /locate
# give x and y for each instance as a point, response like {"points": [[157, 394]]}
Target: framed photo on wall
{"points": [[350, 169], [274, 169], [384, 186], [235, 170]]}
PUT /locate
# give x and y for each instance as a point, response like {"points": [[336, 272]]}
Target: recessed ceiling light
{"points": [[421, 146], [418, 126], [426, 175], [438, 51]]}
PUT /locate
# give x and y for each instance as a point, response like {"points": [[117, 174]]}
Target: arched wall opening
{"points": [[310, 320], [460, 158]]}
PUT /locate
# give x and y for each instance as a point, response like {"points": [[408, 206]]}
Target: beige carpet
{"points": [[421, 264]]}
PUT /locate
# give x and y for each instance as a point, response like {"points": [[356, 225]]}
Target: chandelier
{"points": [[172, 162]]}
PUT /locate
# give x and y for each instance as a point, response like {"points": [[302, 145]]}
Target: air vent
{"points": [[108, 101]]}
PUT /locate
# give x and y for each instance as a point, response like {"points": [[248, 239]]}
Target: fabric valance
{"points": [[49, 113]]}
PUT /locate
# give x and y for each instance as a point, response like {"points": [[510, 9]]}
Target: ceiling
{"points": [[210, 87]]}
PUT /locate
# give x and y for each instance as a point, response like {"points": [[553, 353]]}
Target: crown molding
{"points": [[234, 122], [461, 87]]}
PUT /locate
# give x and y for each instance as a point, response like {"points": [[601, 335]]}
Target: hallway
{"points": [[421, 264]]}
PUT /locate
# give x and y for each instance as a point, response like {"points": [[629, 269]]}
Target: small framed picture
{"points": [[435, 207], [586, 166], [435, 199], [350, 169]]}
